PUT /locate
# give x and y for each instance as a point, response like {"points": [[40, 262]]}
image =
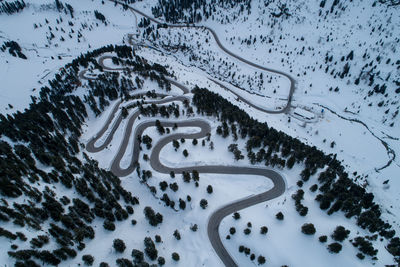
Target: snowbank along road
{"points": [[204, 128]]}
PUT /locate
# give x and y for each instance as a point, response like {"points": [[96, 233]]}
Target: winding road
{"points": [[113, 123], [218, 215], [223, 48], [115, 118]]}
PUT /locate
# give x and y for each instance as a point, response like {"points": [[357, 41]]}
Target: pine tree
{"points": [[203, 203], [88, 259], [119, 245], [340, 233], [175, 256], [308, 229]]}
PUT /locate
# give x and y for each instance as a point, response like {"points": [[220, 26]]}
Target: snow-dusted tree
{"points": [[175, 256], [88, 259], [308, 229], [209, 189], [119, 245], [279, 216], [203, 203], [335, 247], [264, 230], [261, 260], [177, 235], [340, 233]]}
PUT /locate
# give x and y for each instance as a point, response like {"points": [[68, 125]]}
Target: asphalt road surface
{"points": [[204, 128]]}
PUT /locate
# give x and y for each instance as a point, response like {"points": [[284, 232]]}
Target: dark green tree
{"points": [[119, 245]]}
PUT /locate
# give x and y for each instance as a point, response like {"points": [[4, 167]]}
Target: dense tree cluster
{"points": [[11, 7], [153, 218], [67, 8], [247, 251], [13, 48], [164, 111], [150, 248], [298, 197], [191, 11], [236, 151], [47, 134], [337, 191], [99, 16], [364, 246]]}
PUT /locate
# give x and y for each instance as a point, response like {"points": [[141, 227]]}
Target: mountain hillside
{"points": [[199, 133]]}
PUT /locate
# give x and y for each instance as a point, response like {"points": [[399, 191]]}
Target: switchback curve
{"points": [[223, 48], [217, 216]]}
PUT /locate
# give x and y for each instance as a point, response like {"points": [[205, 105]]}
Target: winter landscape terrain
{"points": [[199, 133]]}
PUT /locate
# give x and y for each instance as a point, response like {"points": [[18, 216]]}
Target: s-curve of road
{"points": [[114, 120], [218, 215], [223, 48]]}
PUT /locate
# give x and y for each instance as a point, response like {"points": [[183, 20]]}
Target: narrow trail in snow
{"points": [[389, 151]]}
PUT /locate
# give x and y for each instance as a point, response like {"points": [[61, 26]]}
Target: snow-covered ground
{"points": [[358, 147], [22, 78], [356, 28]]}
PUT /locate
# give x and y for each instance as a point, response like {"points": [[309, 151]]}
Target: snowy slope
{"points": [[364, 137], [45, 54]]}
